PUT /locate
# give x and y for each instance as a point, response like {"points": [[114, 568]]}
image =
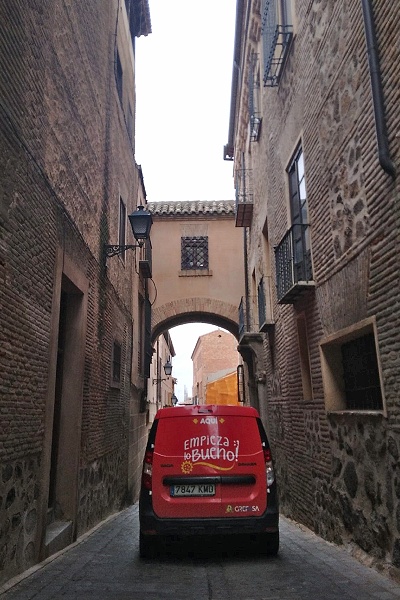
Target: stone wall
{"points": [[19, 494], [363, 490], [102, 488], [337, 472]]}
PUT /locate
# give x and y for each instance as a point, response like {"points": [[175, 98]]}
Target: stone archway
{"points": [[197, 269], [192, 310]]}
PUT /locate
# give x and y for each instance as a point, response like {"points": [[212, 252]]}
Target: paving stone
{"points": [[105, 565]]}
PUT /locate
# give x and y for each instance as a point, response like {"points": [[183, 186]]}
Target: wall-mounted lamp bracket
{"points": [[141, 222], [159, 380], [167, 371], [115, 250]]}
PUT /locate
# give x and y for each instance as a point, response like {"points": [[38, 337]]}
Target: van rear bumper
{"points": [[150, 524]]}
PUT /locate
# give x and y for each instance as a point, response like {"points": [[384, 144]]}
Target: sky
{"points": [[183, 90]]}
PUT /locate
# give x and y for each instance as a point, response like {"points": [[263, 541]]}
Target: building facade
{"points": [[74, 336], [161, 385], [215, 356], [313, 136], [197, 268]]}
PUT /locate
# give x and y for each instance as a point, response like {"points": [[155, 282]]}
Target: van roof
{"points": [[206, 409]]}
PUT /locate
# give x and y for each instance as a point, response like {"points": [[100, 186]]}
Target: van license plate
{"points": [[198, 489]]}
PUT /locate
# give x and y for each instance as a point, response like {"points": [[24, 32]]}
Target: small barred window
{"points": [[351, 369], [116, 363], [361, 374], [194, 253]]}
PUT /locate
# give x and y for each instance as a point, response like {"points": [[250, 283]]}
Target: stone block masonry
{"points": [[337, 462]]}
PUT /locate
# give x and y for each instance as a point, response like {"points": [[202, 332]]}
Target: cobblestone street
{"points": [[105, 565]]}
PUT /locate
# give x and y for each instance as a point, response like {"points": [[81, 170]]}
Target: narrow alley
{"points": [[230, 163], [105, 565]]}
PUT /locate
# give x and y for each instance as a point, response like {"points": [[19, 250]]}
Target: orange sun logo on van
{"points": [[187, 466]]}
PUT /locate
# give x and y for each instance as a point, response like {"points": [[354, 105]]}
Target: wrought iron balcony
{"points": [[242, 318], [255, 318], [250, 339], [264, 302], [244, 198], [293, 264], [245, 324], [254, 99], [255, 127], [276, 39], [145, 260]]}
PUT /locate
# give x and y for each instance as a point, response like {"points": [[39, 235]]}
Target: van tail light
{"points": [[269, 467], [147, 470]]}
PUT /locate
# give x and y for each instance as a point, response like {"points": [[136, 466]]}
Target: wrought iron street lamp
{"points": [[141, 222], [167, 371]]}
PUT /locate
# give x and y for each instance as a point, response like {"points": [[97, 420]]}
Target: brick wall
{"points": [[65, 159], [338, 472], [214, 352]]}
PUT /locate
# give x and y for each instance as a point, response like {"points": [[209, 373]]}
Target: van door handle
{"points": [[222, 479], [190, 480], [205, 410], [238, 479]]}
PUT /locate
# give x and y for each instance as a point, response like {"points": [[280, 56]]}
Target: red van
{"points": [[208, 470]]}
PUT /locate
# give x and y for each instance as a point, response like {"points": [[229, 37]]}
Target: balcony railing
{"points": [[242, 318], [264, 302], [255, 318], [145, 260], [244, 198], [276, 39], [254, 99], [247, 324], [293, 264]]}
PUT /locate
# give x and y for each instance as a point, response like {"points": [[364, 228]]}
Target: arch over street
{"points": [[195, 310], [197, 269]]}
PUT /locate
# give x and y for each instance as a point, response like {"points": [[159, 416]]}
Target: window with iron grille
{"points": [[194, 253], [293, 253], [361, 374], [148, 349], [130, 124], [350, 369], [277, 33], [116, 363], [261, 303], [122, 223], [299, 214], [254, 98], [141, 328], [118, 76]]}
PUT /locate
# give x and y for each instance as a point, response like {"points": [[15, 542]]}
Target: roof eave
{"points": [[229, 147]]}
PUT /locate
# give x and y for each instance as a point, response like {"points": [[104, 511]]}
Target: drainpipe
{"points": [[246, 281], [246, 274], [377, 92]]}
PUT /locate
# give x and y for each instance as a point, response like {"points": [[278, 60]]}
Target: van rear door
{"points": [[184, 486], [208, 462], [244, 486]]}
